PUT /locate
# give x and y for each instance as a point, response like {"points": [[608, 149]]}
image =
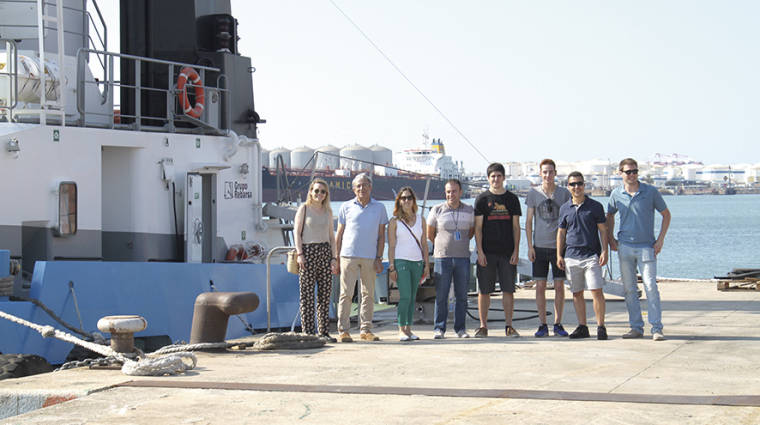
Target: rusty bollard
{"points": [[213, 310], [122, 330]]}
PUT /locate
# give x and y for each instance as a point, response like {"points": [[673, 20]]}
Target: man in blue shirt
{"points": [[636, 202], [581, 254], [360, 241]]}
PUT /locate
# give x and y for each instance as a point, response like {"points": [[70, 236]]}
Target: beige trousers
{"points": [[351, 269]]}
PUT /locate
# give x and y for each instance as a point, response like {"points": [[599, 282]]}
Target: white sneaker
{"points": [[414, 337], [438, 334], [404, 337], [658, 336], [463, 334]]}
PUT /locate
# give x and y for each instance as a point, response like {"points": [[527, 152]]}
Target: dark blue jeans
{"points": [[444, 270]]}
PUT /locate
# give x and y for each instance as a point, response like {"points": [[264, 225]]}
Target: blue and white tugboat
{"points": [[129, 182]]}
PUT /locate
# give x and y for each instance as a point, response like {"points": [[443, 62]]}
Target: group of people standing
{"points": [[566, 231]]}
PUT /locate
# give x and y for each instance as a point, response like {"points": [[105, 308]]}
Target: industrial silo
{"points": [[328, 158], [671, 173], [381, 155], [689, 172], [301, 158], [285, 152], [361, 158]]}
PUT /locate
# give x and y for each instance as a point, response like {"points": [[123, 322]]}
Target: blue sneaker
{"points": [[543, 331], [559, 330]]}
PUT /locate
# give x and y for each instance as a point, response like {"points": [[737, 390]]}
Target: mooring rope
{"points": [[171, 364]]}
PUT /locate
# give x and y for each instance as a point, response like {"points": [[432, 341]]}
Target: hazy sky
{"points": [[522, 80]]}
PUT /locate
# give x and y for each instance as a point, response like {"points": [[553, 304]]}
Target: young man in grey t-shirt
{"points": [[451, 225], [543, 205]]}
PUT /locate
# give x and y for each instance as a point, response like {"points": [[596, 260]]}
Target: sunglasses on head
{"points": [[406, 198], [629, 172], [575, 184], [322, 191]]}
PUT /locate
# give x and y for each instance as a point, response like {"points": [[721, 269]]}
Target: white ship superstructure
{"points": [[430, 158], [138, 205]]}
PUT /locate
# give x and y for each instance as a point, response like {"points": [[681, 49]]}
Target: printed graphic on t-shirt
{"points": [[498, 211], [548, 210]]}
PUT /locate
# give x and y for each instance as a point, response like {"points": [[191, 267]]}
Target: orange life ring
{"points": [[236, 253], [188, 73], [231, 254]]}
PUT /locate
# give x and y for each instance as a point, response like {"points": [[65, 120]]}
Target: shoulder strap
{"points": [[413, 237], [303, 221]]}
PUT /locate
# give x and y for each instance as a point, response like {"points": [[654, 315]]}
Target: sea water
{"points": [[709, 235]]}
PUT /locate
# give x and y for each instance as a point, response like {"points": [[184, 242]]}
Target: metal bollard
{"points": [[122, 330], [213, 310]]}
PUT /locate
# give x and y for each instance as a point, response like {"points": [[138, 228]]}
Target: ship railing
{"points": [[111, 116], [99, 43], [52, 99], [8, 79], [275, 250]]}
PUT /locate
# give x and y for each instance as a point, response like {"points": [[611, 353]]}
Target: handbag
{"points": [[292, 259], [292, 262]]}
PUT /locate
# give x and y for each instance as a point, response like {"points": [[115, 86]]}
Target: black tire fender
{"points": [[20, 365]]}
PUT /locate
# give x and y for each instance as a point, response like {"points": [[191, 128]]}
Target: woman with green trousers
{"points": [[408, 257]]}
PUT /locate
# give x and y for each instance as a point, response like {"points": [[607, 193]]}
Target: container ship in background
{"points": [[425, 169]]}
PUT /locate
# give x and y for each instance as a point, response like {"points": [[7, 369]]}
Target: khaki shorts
{"points": [[585, 273]]}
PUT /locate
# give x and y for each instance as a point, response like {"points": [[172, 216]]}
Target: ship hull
{"points": [[383, 187]]}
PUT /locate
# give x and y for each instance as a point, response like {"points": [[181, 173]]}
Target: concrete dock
{"points": [[705, 372]]}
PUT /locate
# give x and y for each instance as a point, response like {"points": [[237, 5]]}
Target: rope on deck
{"points": [[171, 364], [171, 359]]}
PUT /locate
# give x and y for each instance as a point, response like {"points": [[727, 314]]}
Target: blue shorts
{"points": [[544, 258]]}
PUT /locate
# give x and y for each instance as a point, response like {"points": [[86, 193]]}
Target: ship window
{"points": [[67, 208]]}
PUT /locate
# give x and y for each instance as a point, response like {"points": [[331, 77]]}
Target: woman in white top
{"points": [[315, 244], [408, 257]]}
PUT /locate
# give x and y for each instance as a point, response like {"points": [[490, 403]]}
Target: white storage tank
{"points": [[328, 162], [381, 170], [361, 158], [690, 172], [301, 158], [753, 174], [598, 166], [671, 173], [715, 173], [381, 155], [285, 152], [512, 169]]}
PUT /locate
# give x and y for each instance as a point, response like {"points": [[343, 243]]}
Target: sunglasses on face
{"points": [[320, 191], [575, 184], [629, 172], [406, 198]]}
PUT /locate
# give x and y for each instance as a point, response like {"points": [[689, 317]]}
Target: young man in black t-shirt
{"points": [[497, 235]]}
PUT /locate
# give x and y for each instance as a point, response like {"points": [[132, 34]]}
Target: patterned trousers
{"points": [[317, 257]]}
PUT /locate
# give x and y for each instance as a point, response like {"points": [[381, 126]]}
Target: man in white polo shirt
{"points": [[360, 241]]}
